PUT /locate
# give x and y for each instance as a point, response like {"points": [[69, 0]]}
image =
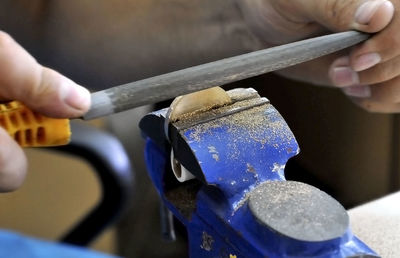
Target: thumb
{"points": [[40, 88], [13, 163], [339, 15]]}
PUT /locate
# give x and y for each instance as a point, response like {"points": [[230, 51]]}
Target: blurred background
{"points": [[351, 154]]}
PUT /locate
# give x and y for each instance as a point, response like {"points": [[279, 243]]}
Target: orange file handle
{"points": [[31, 129]]}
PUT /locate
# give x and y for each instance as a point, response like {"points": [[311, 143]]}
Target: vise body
{"points": [[231, 193]]}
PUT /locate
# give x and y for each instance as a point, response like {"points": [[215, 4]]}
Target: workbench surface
{"points": [[377, 224]]}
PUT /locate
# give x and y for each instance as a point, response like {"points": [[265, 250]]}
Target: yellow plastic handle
{"points": [[31, 129]]}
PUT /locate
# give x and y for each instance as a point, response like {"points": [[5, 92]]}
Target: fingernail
{"points": [[367, 10], [344, 76], [78, 97], [359, 91], [366, 61]]}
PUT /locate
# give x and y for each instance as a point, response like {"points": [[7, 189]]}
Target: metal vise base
{"points": [[240, 204]]}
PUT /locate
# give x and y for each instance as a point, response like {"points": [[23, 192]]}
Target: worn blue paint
{"points": [[235, 157]]}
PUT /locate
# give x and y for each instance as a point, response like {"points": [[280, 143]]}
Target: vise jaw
{"points": [[239, 203]]}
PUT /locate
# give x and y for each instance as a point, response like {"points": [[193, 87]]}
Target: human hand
{"points": [[41, 89], [368, 73]]}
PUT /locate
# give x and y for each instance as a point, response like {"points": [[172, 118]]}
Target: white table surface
{"points": [[377, 224]]}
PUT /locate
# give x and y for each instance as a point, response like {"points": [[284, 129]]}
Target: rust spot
{"points": [[250, 168]]}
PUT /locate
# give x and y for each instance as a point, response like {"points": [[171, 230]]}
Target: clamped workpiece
{"points": [[238, 203]]}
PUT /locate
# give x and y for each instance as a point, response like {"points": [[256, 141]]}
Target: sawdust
{"points": [[248, 121], [298, 210], [240, 94], [189, 115], [247, 126], [195, 118]]}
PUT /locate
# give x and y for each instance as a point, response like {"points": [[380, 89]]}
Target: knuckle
{"points": [[383, 74], [386, 96], [44, 89], [393, 42], [379, 74], [12, 171], [36, 86], [337, 12]]}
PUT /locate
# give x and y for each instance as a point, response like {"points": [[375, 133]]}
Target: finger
{"points": [[339, 15], [388, 91], [381, 72], [40, 88], [385, 97], [13, 163], [365, 15], [380, 48], [341, 74], [359, 91], [376, 106]]}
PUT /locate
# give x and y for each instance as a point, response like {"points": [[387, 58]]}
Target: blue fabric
{"points": [[19, 246]]}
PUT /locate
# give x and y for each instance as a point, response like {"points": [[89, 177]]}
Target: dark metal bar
{"points": [[167, 223], [217, 73], [111, 164]]}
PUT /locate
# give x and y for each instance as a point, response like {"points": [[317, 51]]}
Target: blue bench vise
{"points": [[221, 173]]}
